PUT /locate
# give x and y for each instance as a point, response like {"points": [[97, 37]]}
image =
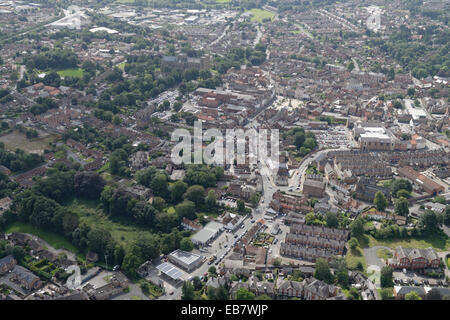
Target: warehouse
{"points": [[207, 234], [186, 260]]}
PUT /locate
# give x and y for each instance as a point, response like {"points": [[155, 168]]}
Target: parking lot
{"points": [[335, 137]]}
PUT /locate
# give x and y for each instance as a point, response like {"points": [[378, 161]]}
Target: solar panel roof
{"points": [[170, 270]]}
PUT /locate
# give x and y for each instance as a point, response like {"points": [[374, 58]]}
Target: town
{"points": [[355, 206]]}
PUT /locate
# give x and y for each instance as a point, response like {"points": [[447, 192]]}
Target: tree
{"points": [[177, 190], [145, 176], [88, 184], [429, 222], [196, 194], [386, 277], [299, 139], [160, 186], [401, 206], [353, 243], [254, 198], [403, 193], [240, 205], [211, 200], [350, 66], [386, 294], [342, 277], [131, 262], [331, 219], [186, 209], [322, 271], [399, 184], [18, 253], [159, 203], [380, 201], [310, 217], [412, 296], [187, 291], [357, 227], [186, 244], [212, 270], [244, 294]]}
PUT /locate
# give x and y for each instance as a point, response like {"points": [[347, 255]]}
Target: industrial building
{"points": [[186, 260]]}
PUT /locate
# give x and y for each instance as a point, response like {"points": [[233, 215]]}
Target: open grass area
{"points": [[354, 256], [121, 65], [72, 72], [19, 140], [440, 242], [222, 1], [259, 15], [384, 254], [121, 232], [55, 240]]}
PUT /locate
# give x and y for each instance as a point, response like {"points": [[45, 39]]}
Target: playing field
{"points": [[74, 72], [259, 15], [16, 140]]}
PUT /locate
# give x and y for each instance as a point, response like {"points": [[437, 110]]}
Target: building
{"points": [[401, 291], [26, 278], [7, 264], [313, 188], [208, 233], [367, 188], [414, 259], [421, 180], [372, 136], [186, 260]]}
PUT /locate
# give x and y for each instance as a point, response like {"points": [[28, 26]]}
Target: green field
{"points": [[438, 242], [55, 240], [222, 1], [74, 72], [121, 65], [259, 15], [121, 232], [354, 256]]}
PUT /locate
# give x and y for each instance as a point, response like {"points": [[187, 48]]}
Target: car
{"points": [[243, 226], [225, 245], [171, 293], [116, 267], [235, 236], [252, 221]]}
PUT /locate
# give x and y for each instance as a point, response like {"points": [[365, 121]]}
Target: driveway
{"points": [[371, 256], [74, 280]]}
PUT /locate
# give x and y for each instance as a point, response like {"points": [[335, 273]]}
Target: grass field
{"points": [[222, 1], [438, 242], [19, 140], [55, 240], [259, 15], [121, 65], [89, 213], [354, 256], [74, 72]]}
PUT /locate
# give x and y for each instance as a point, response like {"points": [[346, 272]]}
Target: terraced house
{"points": [[414, 259]]}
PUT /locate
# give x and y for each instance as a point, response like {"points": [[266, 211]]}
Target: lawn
{"points": [[19, 140], [121, 232], [222, 1], [55, 240], [72, 72], [354, 256], [259, 15], [121, 65], [384, 254], [439, 242]]}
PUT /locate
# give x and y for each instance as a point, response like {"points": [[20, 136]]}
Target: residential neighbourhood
{"points": [[224, 150]]}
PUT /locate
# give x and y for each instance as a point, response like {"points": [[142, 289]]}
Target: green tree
{"points": [[430, 222], [353, 243], [187, 291], [331, 219], [240, 205], [186, 244], [380, 201], [322, 271], [244, 294], [403, 193], [386, 294], [196, 194], [401, 206], [177, 190], [160, 186], [386, 277], [186, 209], [412, 296], [357, 227], [211, 200]]}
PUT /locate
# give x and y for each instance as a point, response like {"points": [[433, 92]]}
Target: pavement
{"points": [[371, 256]]}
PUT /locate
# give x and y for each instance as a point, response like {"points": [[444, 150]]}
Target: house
{"points": [[289, 289], [7, 264], [314, 289], [313, 188], [414, 259], [401, 291], [26, 278], [190, 225], [421, 180]]}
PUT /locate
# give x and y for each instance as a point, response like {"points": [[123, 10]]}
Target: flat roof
{"points": [[170, 270], [185, 257], [207, 232]]}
